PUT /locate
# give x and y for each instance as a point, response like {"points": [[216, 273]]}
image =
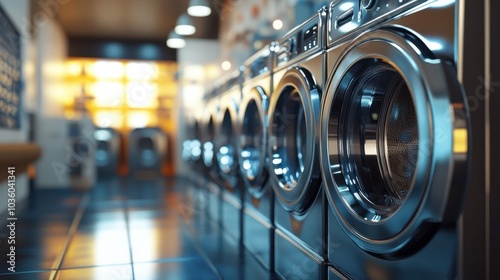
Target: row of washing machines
{"points": [[341, 150]]}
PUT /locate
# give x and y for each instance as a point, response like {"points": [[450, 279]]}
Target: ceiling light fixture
{"points": [[185, 26], [199, 8], [175, 41]]}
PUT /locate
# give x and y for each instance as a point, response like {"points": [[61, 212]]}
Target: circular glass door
{"points": [[252, 141], [226, 153], [208, 145], [292, 145]]}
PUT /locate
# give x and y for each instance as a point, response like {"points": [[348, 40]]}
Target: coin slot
{"points": [[344, 19]]}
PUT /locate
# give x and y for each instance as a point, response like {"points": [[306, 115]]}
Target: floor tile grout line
{"points": [[129, 236], [72, 231]]}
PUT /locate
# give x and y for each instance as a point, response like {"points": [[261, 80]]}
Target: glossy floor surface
{"points": [[121, 230]]}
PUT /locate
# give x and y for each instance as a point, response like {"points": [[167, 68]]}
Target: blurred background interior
{"points": [[101, 95], [106, 64]]}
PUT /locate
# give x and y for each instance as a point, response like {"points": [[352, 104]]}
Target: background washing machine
{"points": [[77, 139], [227, 158], [107, 152], [212, 185], [147, 151], [252, 138], [192, 150], [83, 171], [294, 152], [394, 140]]}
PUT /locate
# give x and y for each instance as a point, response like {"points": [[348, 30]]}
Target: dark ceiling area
{"points": [[130, 19], [124, 21]]}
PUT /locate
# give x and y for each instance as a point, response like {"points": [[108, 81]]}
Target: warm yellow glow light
{"points": [[112, 119], [139, 120], [213, 71], [108, 70], [74, 68], [141, 71], [108, 94], [142, 95], [117, 94]]}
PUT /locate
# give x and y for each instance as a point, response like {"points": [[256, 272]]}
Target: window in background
{"points": [[122, 94]]}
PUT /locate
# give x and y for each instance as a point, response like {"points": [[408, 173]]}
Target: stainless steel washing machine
{"points": [[107, 152], [227, 158], [293, 150], [394, 140], [147, 151], [251, 142], [212, 182]]}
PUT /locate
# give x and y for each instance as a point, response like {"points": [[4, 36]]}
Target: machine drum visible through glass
{"points": [[378, 131]]}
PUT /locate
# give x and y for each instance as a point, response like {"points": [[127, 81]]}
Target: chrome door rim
{"points": [[255, 183], [427, 200], [208, 148], [225, 145], [298, 194]]}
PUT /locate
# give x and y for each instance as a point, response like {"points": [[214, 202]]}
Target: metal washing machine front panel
{"points": [[147, 151], [252, 138], [293, 150], [209, 119], [107, 152], [212, 182], [194, 147], [227, 158], [394, 140]]}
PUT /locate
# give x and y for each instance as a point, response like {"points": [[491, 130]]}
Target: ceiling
{"points": [[148, 20]]}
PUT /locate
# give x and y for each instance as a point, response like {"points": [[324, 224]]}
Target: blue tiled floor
{"points": [[121, 230]]}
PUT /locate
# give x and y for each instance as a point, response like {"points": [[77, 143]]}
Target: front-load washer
{"points": [[293, 150], [251, 142], [107, 153], [212, 182], [227, 158], [394, 140], [147, 151], [194, 147], [194, 195]]}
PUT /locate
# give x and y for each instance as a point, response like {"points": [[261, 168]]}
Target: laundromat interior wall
{"points": [[18, 10], [246, 26]]}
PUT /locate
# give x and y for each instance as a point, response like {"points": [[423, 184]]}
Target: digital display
{"points": [[10, 73], [310, 38]]}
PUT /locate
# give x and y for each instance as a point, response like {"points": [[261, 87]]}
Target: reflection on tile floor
{"points": [[122, 229]]}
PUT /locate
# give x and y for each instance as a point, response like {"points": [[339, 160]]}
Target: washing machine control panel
{"points": [[346, 17], [309, 39], [305, 39], [258, 64]]}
